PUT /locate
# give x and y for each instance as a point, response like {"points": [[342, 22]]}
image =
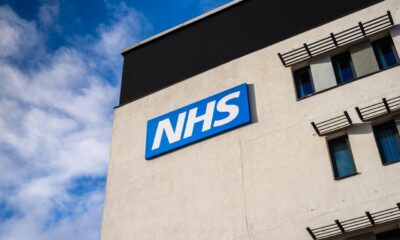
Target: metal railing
{"points": [[362, 30], [332, 125], [358, 223], [379, 109]]}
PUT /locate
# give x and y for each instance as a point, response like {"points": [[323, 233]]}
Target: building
{"points": [[316, 154]]}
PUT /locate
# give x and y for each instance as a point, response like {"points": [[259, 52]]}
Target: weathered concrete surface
{"points": [[267, 180]]}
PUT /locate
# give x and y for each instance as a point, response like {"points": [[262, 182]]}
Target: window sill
{"points": [[390, 163], [339, 85], [348, 176]]}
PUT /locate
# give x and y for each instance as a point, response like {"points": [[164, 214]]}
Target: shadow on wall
{"points": [[361, 128], [395, 30], [252, 103], [395, 34]]}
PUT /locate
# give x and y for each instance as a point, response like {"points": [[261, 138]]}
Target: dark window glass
{"points": [[342, 160], [388, 140], [342, 65], [303, 82], [385, 53], [392, 235]]}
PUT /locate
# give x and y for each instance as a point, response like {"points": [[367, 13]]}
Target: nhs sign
{"points": [[197, 121]]}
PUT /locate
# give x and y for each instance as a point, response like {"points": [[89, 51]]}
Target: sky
{"points": [[60, 71]]}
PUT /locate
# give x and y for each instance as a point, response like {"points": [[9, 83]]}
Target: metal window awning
{"points": [[333, 41], [332, 125], [359, 223], [379, 109]]}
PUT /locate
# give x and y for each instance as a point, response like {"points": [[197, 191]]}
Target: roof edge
{"points": [[177, 27]]}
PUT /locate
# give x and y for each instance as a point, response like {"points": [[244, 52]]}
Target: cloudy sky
{"points": [[60, 72]]}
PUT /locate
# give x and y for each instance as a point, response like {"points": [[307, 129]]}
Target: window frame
{"points": [[308, 68], [333, 57], [306, 64], [377, 143], [392, 46], [333, 161]]}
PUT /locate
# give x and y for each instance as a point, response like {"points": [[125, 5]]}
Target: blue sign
{"points": [[197, 121]]}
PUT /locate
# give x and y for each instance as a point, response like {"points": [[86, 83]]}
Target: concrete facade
{"points": [[322, 73], [267, 180], [364, 59]]}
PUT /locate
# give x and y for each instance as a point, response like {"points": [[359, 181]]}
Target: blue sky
{"points": [[60, 69]]}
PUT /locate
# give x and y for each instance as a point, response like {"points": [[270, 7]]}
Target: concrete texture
{"points": [[364, 60], [267, 180], [395, 34], [322, 73]]}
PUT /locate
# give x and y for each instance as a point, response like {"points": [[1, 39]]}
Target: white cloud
{"points": [[17, 35], [55, 125], [113, 38]]}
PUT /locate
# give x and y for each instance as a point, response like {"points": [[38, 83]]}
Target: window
{"points": [[385, 53], [329, 71], [392, 235], [388, 140], [341, 157], [302, 78], [343, 67]]}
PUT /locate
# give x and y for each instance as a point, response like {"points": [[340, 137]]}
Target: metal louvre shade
{"points": [[351, 225], [336, 40]]}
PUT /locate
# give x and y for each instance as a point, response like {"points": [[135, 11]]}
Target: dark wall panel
{"points": [[236, 31]]}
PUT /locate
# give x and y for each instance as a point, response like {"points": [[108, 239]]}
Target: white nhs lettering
{"points": [[175, 135], [200, 120]]}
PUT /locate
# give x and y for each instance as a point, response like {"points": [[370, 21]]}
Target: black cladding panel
{"points": [[219, 38]]}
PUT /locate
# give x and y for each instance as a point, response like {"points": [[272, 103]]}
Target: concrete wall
{"points": [[322, 73], [395, 34], [364, 59], [267, 180]]}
